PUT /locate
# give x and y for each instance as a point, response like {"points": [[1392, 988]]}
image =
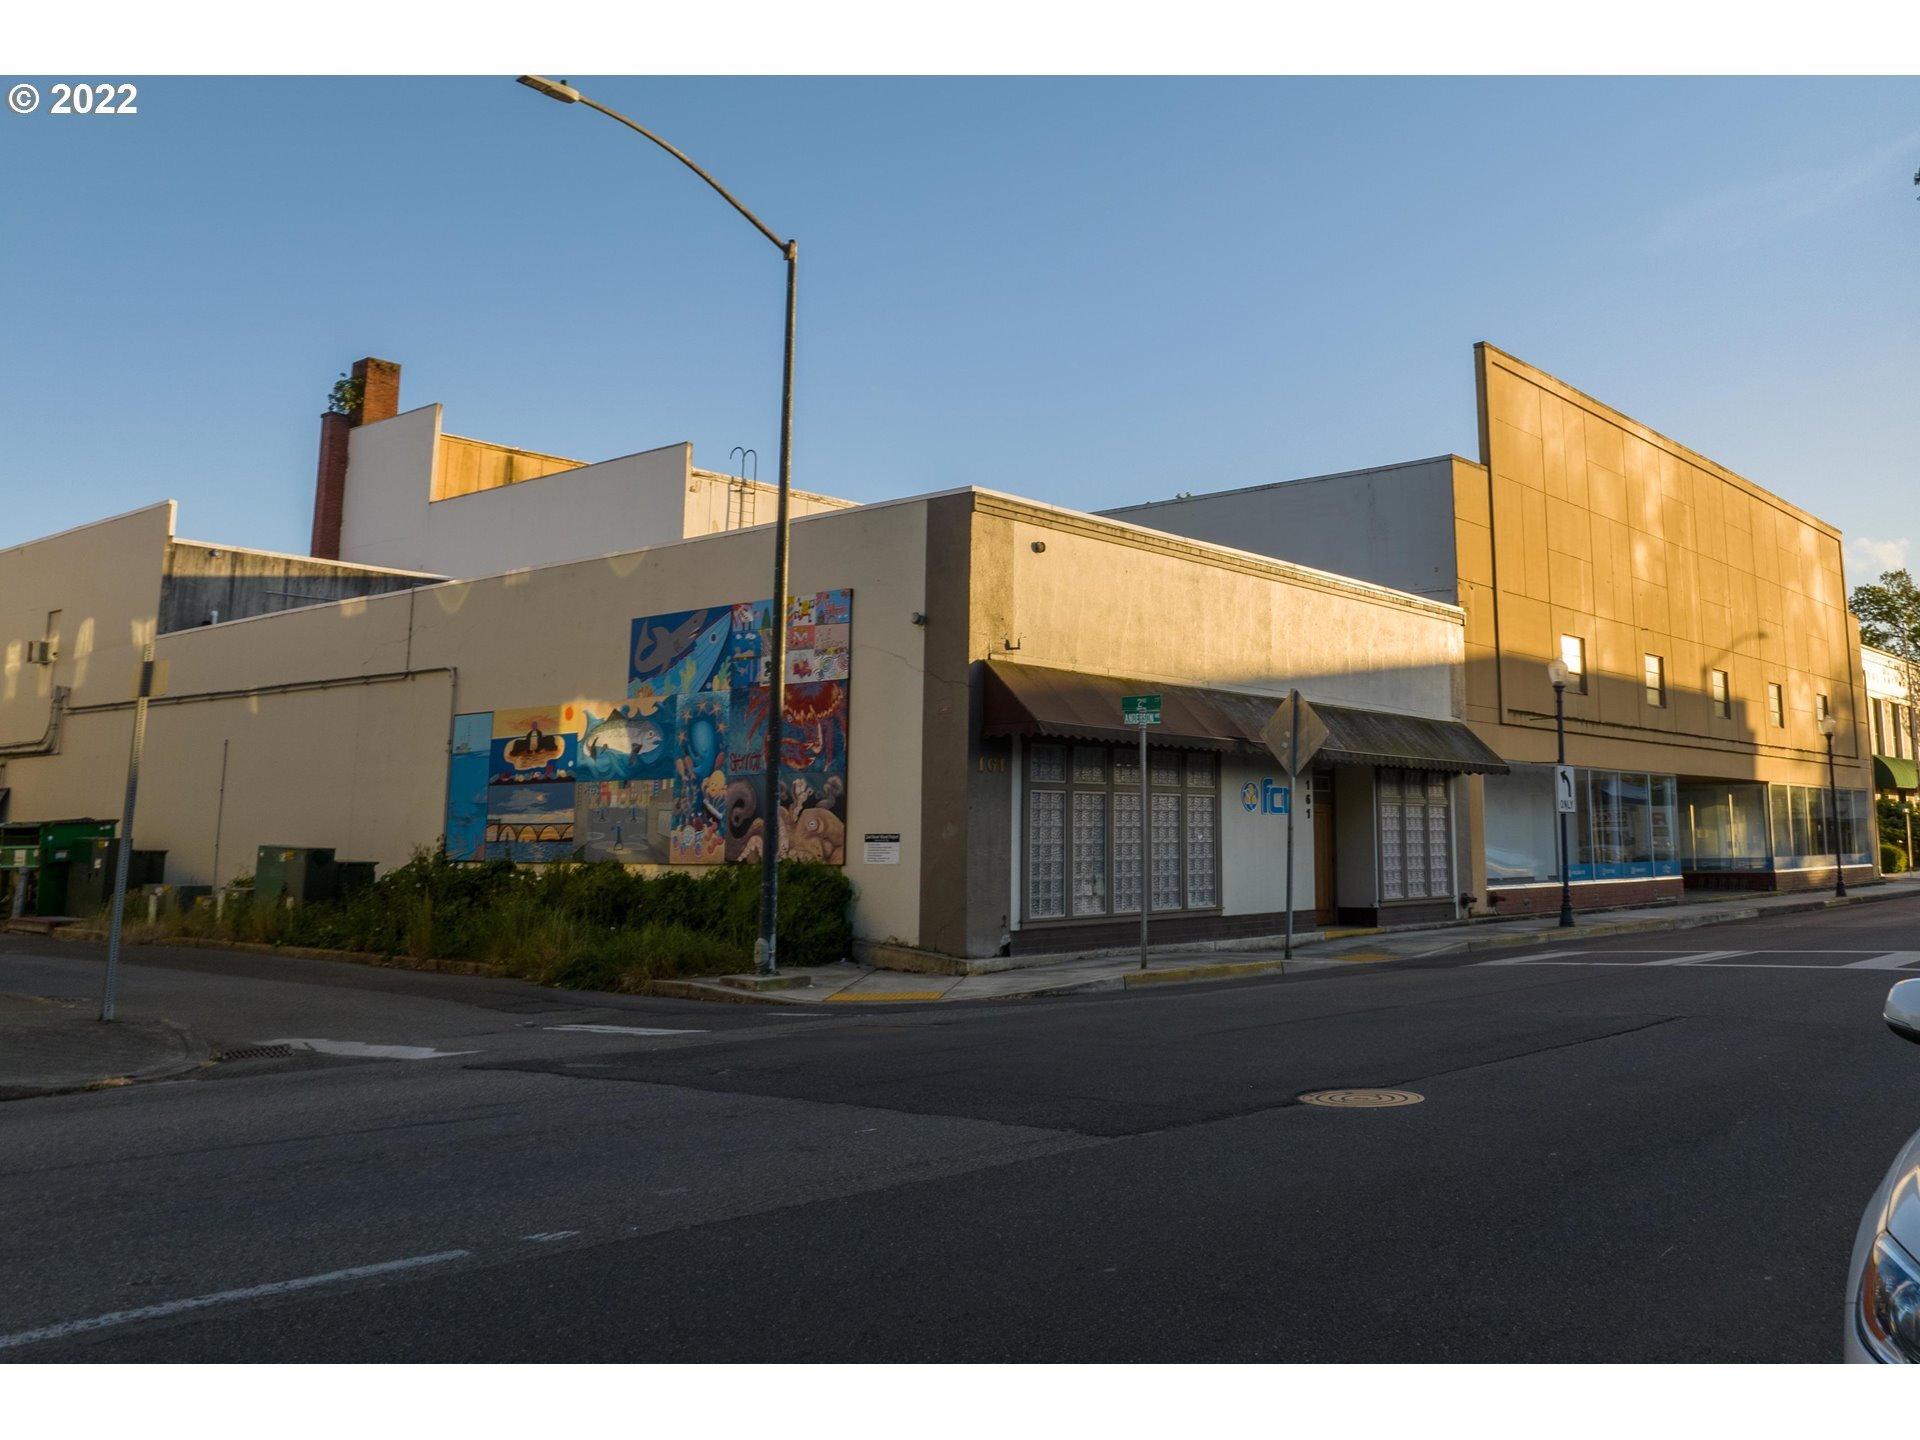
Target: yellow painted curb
{"points": [[1202, 972], [1361, 957], [1348, 934], [886, 995]]}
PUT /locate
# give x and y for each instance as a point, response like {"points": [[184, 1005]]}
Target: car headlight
{"points": [[1890, 1303]]}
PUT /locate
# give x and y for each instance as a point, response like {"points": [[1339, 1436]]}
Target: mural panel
{"points": [[467, 771], [671, 772]]}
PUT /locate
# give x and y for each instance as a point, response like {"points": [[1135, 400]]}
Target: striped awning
{"points": [[1039, 701]]}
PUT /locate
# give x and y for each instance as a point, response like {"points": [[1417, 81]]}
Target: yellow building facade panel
{"points": [[1603, 529]]}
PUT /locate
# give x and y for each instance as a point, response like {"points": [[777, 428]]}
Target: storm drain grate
{"points": [[1361, 1099], [255, 1052]]}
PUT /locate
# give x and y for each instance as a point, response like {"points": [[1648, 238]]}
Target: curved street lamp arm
{"points": [[719, 189]]}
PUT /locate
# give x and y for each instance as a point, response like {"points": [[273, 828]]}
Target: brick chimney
{"points": [[379, 390], [379, 386]]}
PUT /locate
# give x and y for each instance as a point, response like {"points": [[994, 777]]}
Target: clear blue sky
{"points": [[1086, 291]]}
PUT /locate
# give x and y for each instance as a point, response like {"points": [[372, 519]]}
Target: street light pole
{"points": [[1558, 673], [1827, 726], [765, 960]]}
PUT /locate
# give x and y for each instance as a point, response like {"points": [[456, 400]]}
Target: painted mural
{"points": [[530, 784], [670, 773]]}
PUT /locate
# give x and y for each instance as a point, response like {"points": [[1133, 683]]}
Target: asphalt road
{"points": [[1625, 1152]]}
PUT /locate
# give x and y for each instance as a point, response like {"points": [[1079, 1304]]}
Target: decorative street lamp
{"points": [[764, 960], [1558, 673], [1827, 726]]}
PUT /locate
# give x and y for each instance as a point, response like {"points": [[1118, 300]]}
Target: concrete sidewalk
{"points": [[50, 1045], [847, 984]]}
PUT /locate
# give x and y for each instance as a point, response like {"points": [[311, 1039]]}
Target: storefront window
{"points": [[1523, 846], [1083, 831], [1805, 834], [1724, 826]]}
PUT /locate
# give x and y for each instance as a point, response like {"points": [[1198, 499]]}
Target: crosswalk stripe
{"points": [[1699, 957], [1892, 960], [1528, 959]]}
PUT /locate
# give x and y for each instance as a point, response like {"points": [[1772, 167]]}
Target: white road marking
{"points": [[223, 1297], [1701, 957], [623, 1030], [369, 1052], [1528, 959], [546, 1236], [1892, 960]]}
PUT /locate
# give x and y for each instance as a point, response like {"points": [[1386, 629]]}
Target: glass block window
{"points": [[1047, 855], [1089, 850], [1393, 872], [1416, 836], [1084, 845], [1126, 850], [1203, 890], [1165, 836], [1048, 765]]}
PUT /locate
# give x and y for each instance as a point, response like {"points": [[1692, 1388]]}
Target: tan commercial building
{"points": [[1702, 619], [952, 733]]}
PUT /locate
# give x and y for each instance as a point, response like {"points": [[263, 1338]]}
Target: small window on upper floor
{"points": [[1573, 654], [1776, 706], [1820, 707], [1722, 701], [1656, 674]]}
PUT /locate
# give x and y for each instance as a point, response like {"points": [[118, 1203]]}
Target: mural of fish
{"points": [[625, 734]]}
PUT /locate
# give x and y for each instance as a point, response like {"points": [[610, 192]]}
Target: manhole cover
{"points": [[255, 1052], [1361, 1099]]}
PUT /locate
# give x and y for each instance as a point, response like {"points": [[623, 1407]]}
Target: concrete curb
{"points": [[193, 1055]]}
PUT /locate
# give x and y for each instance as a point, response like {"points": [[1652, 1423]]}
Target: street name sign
{"points": [[1140, 709]]}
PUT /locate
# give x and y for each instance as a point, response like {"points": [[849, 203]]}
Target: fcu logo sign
{"points": [[1264, 797]]}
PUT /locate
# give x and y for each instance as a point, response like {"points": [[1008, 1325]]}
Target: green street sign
{"points": [[1140, 709]]}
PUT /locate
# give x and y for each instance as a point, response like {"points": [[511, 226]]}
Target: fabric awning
{"points": [[1890, 772], [1037, 700]]}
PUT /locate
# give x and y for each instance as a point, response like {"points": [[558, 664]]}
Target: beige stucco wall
{"points": [[336, 718], [721, 502], [104, 579], [1110, 598], [1604, 529]]}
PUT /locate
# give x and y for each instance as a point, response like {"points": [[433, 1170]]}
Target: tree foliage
{"points": [[1889, 614]]}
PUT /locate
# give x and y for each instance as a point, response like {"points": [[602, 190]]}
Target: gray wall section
{"points": [[1392, 525], [947, 729], [204, 581]]}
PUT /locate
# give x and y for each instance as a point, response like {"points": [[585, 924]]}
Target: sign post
{"points": [[1142, 711], [1294, 735], [143, 690]]}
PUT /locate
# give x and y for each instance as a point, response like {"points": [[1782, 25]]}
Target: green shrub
{"points": [[1893, 860], [597, 926]]}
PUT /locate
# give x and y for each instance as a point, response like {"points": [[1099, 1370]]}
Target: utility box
{"points": [[292, 872], [89, 874], [353, 876]]}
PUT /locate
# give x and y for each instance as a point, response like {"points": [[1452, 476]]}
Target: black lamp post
{"points": [[1827, 726], [1558, 673], [764, 960]]}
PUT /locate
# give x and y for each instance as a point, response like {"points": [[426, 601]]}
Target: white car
{"points": [[1883, 1283]]}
